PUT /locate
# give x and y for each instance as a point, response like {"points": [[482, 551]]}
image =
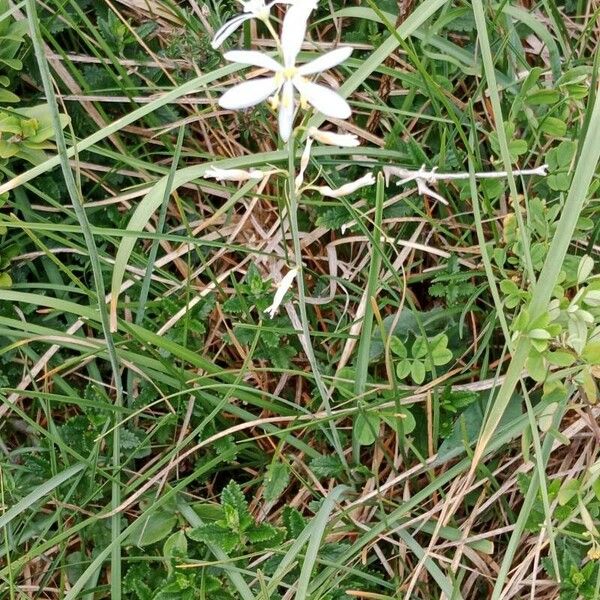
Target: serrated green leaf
{"points": [[326, 466], [213, 534], [293, 520], [276, 480], [262, 533], [232, 496]]}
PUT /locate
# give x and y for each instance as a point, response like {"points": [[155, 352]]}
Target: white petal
{"points": [[427, 191], [286, 111], [282, 288], [248, 93], [254, 6], [344, 140], [327, 61], [303, 163], [294, 30], [227, 29], [232, 174], [254, 58], [348, 188], [325, 100]]}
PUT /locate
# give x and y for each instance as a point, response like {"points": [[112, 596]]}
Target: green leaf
{"points": [[417, 372], [591, 353], [262, 533], [553, 127], [8, 97], [344, 382], [403, 369], [405, 417], [293, 520], [536, 367], [213, 534], [560, 358], [568, 490], [276, 480], [419, 348], [546, 416], [175, 547], [233, 497], [326, 466], [586, 266], [543, 97], [589, 386], [397, 347], [366, 428], [151, 529]]}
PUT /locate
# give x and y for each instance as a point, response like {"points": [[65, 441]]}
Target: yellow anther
{"points": [[274, 101], [290, 72], [304, 105]]}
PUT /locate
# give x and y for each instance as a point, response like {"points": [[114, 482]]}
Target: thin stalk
{"points": [[141, 311], [77, 203], [295, 233], [490, 74], [528, 503], [364, 344]]}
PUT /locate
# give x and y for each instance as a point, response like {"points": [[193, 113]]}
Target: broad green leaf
{"points": [[586, 266], [546, 416], [417, 372], [397, 347], [403, 369], [591, 353], [151, 529], [568, 490], [366, 428]]}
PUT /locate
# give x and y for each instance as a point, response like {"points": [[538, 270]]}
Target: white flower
{"points": [[348, 188], [289, 77], [344, 140], [233, 174], [282, 288], [253, 9]]}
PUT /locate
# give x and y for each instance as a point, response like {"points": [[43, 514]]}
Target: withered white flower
{"points": [[282, 288], [252, 9], [289, 77], [303, 163], [344, 140], [348, 188], [233, 174]]}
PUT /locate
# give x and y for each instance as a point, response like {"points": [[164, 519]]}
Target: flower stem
{"points": [[307, 344]]}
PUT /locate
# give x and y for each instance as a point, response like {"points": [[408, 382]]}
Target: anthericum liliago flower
{"points": [[253, 9], [289, 77]]}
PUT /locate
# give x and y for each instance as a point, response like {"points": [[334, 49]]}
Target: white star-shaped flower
{"points": [[288, 77], [253, 9]]}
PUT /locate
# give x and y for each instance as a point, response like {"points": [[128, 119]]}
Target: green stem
{"points": [[77, 202], [295, 233]]}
